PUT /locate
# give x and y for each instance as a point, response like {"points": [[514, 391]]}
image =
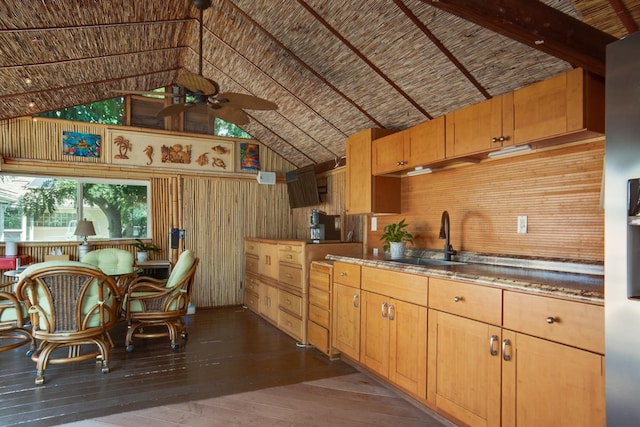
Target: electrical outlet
{"points": [[374, 223], [522, 224]]}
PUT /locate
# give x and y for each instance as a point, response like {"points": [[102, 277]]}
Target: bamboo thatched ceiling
{"points": [[334, 67]]}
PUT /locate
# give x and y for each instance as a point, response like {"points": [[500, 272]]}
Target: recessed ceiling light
{"points": [[27, 80], [32, 104]]}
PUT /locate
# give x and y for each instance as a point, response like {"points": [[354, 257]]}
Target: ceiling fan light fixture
{"points": [[202, 4]]}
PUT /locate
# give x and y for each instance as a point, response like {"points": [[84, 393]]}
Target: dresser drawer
{"points": [[319, 316], [292, 276], [252, 300], [573, 323], [319, 298], [291, 254], [346, 274], [290, 324], [251, 247], [251, 263], [465, 299], [405, 287], [290, 302], [251, 283], [319, 337], [320, 280]]}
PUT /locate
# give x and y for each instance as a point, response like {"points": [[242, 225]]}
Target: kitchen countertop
{"points": [[559, 284]]}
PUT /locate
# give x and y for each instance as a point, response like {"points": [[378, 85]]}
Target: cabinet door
{"points": [[479, 128], [550, 384], [388, 153], [268, 260], [374, 336], [346, 320], [365, 193], [408, 347], [464, 368], [269, 301], [550, 107], [426, 143]]}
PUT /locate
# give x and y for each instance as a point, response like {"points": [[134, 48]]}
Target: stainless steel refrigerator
{"points": [[622, 232]]}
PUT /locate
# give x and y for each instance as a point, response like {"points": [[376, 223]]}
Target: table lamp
{"points": [[84, 228]]}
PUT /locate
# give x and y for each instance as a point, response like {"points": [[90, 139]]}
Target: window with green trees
{"points": [[48, 208], [111, 111]]}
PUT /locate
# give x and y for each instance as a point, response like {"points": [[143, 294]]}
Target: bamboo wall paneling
{"points": [[218, 214], [558, 190]]}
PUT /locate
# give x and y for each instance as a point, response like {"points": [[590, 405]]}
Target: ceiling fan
{"points": [[205, 93]]}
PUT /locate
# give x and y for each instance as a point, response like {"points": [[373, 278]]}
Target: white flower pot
{"points": [[142, 256], [397, 249]]}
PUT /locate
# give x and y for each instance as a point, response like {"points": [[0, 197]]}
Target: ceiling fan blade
{"points": [[145, 92], [197, 83], [173, 109], [230, 114], [240, 100]]}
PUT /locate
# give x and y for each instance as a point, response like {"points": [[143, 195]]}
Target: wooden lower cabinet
{"points": [[319, 325], [346, 320], [550, 384], [464, 369], [269, 302], [394, 341]]}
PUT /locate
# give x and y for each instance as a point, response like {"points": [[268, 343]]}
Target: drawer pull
{"points": [[288, 301], [384, 309], [458, 299], [551, 320], [506, 343], [392, 311], [289, 256], [355, 300], [343, 273], [492, 343]]}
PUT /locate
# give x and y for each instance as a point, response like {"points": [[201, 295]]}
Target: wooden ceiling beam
{"points": [[537, 25]]}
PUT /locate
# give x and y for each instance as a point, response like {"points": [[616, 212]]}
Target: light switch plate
{"points": [[522, 224], [374, 223]]}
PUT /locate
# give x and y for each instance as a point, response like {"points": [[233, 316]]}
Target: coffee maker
{"points": [[323, 226]]}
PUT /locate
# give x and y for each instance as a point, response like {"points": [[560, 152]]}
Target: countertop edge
{"points": [[556, 291]]}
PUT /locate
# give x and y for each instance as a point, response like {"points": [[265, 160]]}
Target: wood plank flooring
{"points": [[236, 369]]}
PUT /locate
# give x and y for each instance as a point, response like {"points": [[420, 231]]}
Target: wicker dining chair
{"points": [[114, 262], [13, 317], [151, 303], [71, 305]]}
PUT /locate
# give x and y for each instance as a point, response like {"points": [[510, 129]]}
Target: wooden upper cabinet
{"points": [[571, 103], [417, 146], [481, 127], [426, 143], [388, 153], [366, 193]]}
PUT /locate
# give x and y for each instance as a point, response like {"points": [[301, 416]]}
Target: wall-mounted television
{"points": [[302, 187]]}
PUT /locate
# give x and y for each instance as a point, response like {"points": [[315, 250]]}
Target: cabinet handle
{"points": [[506, 343], [492, 343], [343, 274], [494, 139], [355, 300], [289, 256], [287, 301], [458, 299], [551, 320], [392, 311], [384, 309]]}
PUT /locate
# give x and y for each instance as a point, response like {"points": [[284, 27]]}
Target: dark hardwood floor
{"points": [[232, 360]]}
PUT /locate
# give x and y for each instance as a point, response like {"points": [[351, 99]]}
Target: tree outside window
{"points": [[47, 209]]}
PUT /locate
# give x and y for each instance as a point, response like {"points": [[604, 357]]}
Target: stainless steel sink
{"points": [[425, 261]]}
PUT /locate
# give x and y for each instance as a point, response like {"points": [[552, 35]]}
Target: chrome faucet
{"points": [[444, 234]]}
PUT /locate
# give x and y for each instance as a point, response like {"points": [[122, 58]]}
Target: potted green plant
{"points": [[395, 237], [143, 249]]}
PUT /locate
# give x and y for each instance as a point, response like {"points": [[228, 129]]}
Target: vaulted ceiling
{"points": [[334, 67]]}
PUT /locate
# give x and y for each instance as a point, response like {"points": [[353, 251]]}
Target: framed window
{"points": [[47, 209]]}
